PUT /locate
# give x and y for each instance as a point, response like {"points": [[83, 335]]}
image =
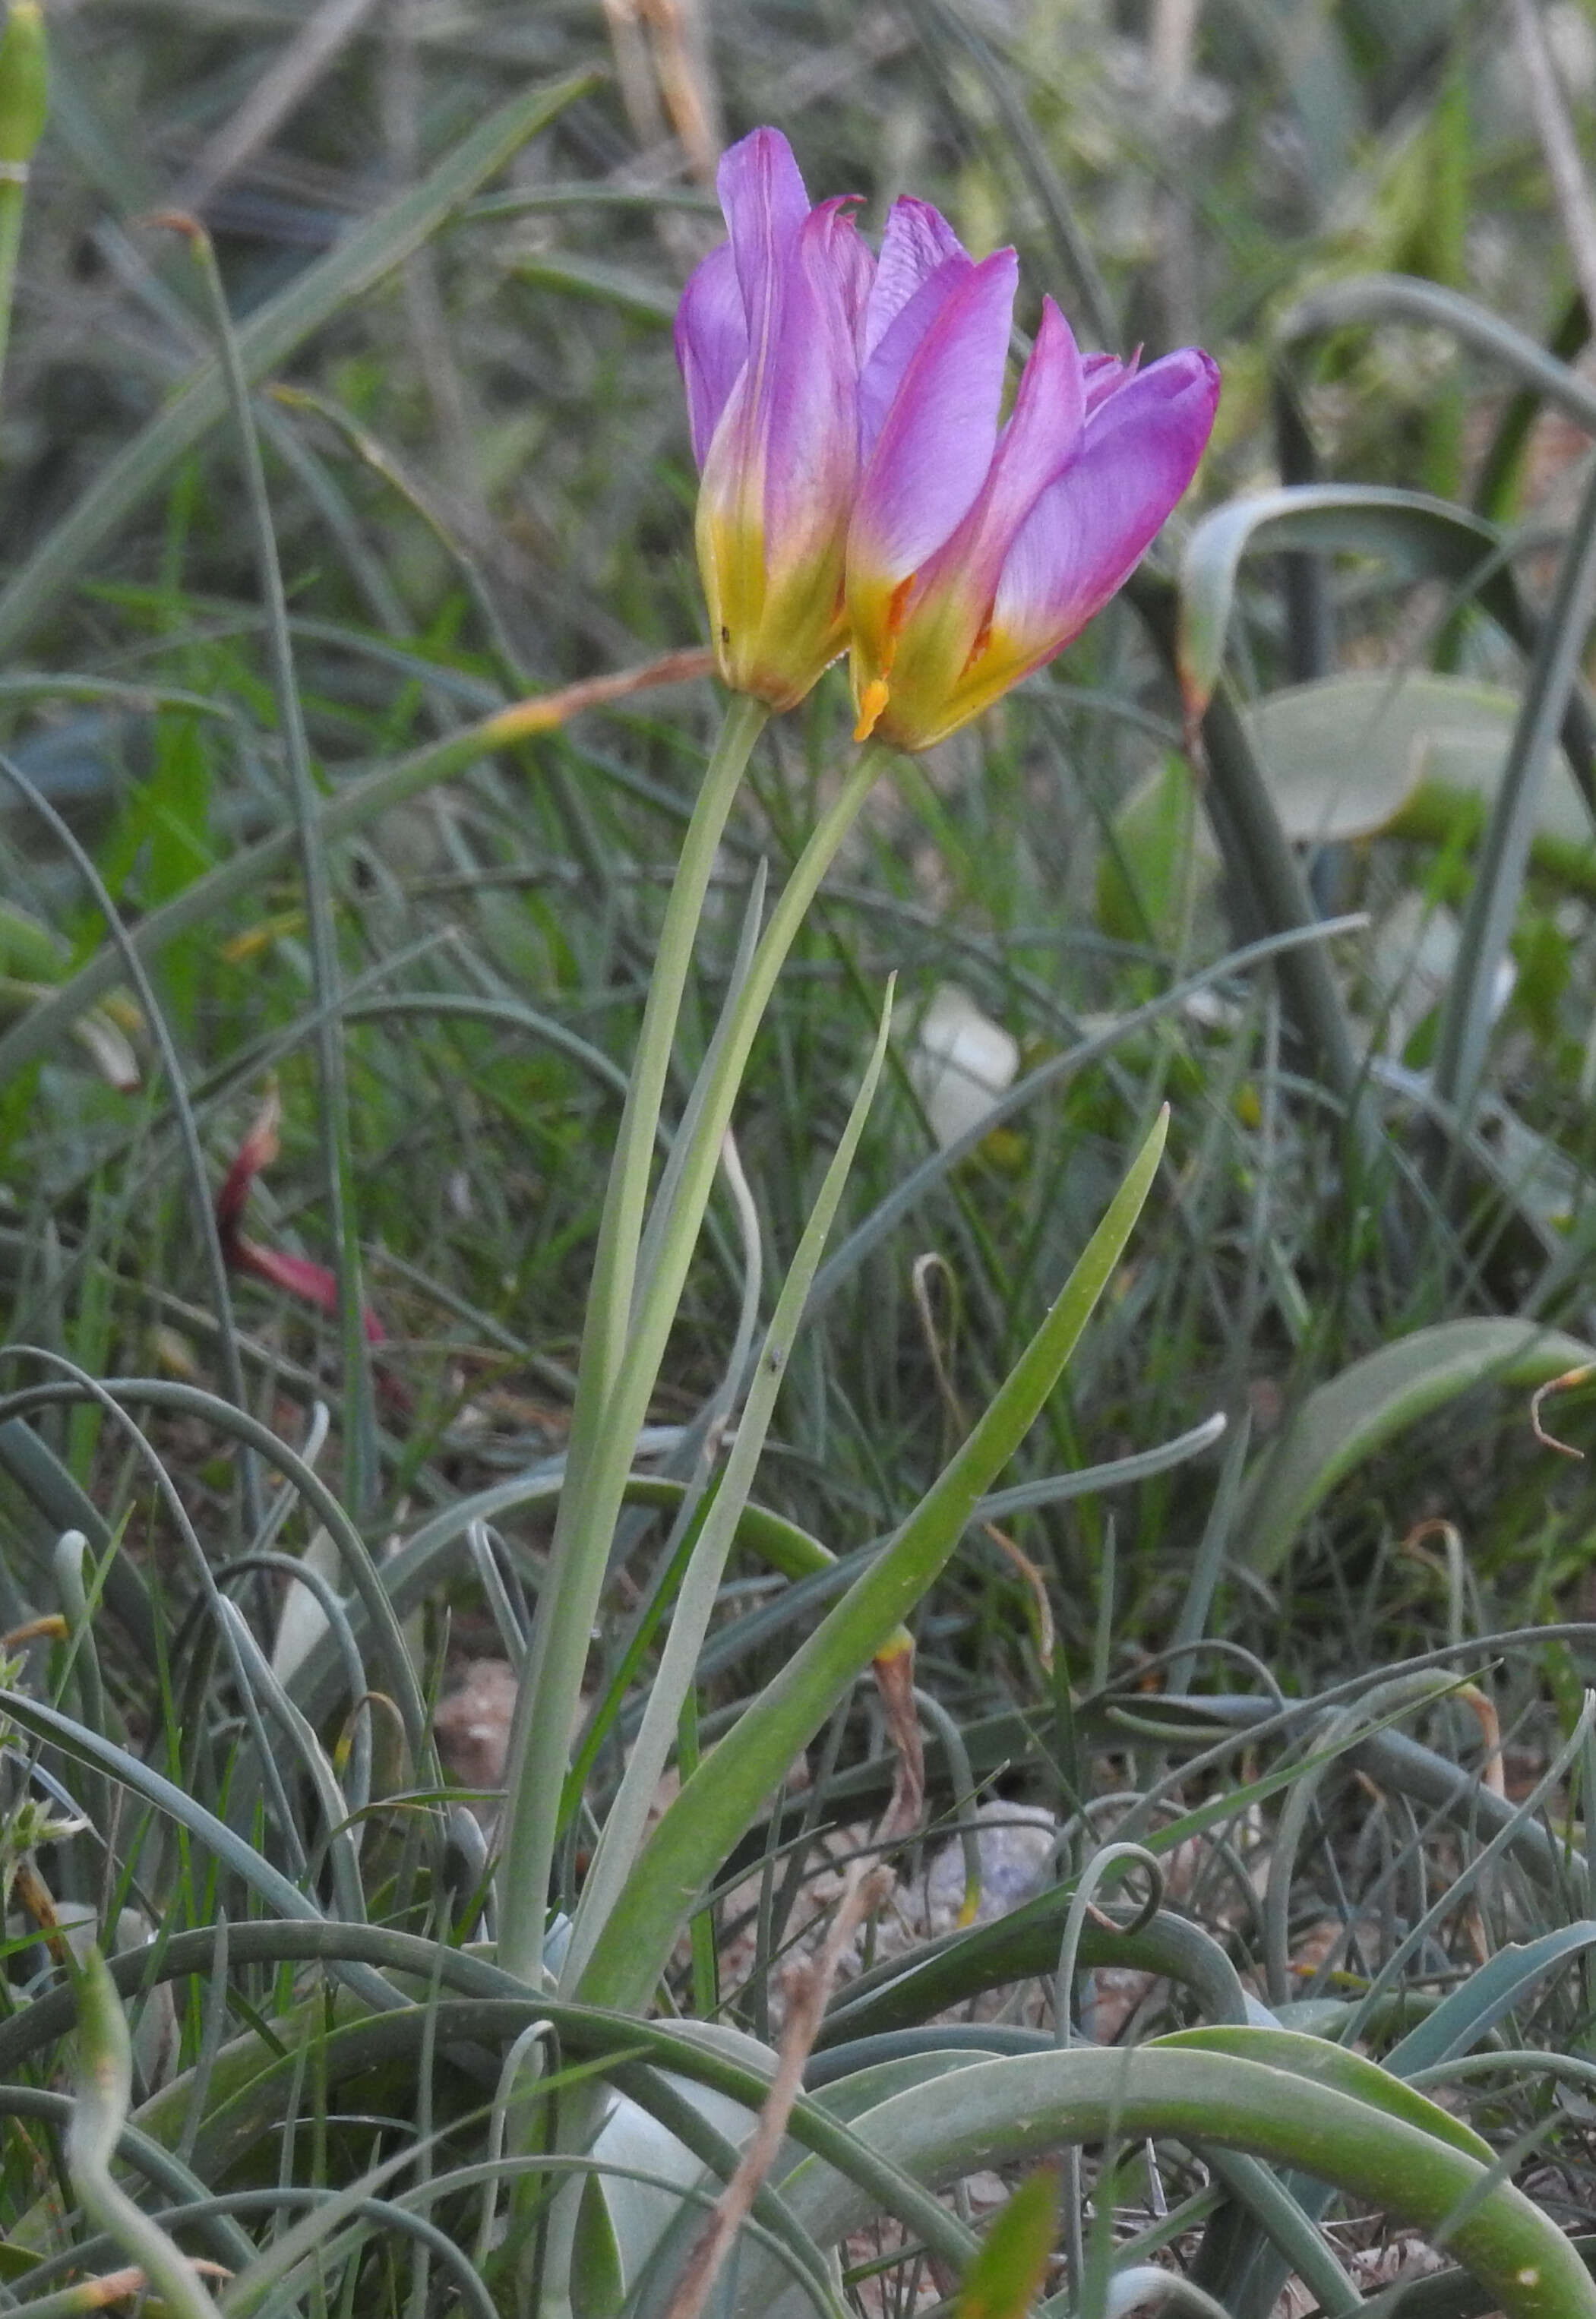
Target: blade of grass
{"points": [[351, 806], [24, 106], [99, 2113], [237, 1423], [1406, 298], [201, 1207], [905, 1196], [361, 1467], [678, 1668], [1025, 2104], [721, 1799], [325, 290], [1469, 1007]]}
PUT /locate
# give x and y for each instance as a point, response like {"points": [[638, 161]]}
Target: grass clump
{"points": [[1128, 1500]]}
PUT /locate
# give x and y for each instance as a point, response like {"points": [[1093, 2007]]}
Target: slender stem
{"points": [[620, 1231], [677, 1230], [24, 105], [1549, 109], [1499, 880], [337, 1153], [677, 1669], [600, 1451], [13, 195]]}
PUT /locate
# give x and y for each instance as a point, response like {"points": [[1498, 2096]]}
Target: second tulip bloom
{"points": [[859, 489]]}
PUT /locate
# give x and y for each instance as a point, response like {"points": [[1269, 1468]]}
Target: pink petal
{"points": [[1090, 529], [1104, 376], [765, 205], [918, 242], [711, 343], [936, 445], [785, 428], [855, 264], [807, 422], [883, 369], [1043, 436]]}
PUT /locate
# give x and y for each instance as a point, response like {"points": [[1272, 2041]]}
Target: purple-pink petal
{"points": [[918, 242], [849, 259], [882, 371], [711, 343], [810, 451], [1090, 529], [1104, 376], [935, 449], [1043, 436], [764, 199]]}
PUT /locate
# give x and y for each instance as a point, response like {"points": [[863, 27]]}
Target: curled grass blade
{"points": [[1380, 298], [99, 2113], [1008, 2108], [367, 1580]]}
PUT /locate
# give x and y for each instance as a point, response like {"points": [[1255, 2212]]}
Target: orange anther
{"points": [[871, 702]]}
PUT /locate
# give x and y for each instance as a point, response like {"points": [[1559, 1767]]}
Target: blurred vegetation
{"points": [[478, 489], [479, 486]]}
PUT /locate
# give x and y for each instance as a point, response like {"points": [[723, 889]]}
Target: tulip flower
{"points": [[976, 551], [767, 338], [858, 487]]}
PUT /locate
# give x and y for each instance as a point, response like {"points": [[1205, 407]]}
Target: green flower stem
{"points": [[677, 1671], [601, 1449], [24, 103], [626, 1198], [13, 196]]}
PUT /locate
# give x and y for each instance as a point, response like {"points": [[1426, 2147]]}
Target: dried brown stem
{"points": [[864, 1888]]}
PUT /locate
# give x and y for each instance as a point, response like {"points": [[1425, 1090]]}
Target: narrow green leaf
{"points": [[1030, 2104], [1329, 2064], [722, 1797], [1417, 536], [1467, 2015], [603, 283], [351, 806], [81, 1746], [1467, 1010], [1347, 1421], [104, 2090], [1405, 298], [1006, 2277]]}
